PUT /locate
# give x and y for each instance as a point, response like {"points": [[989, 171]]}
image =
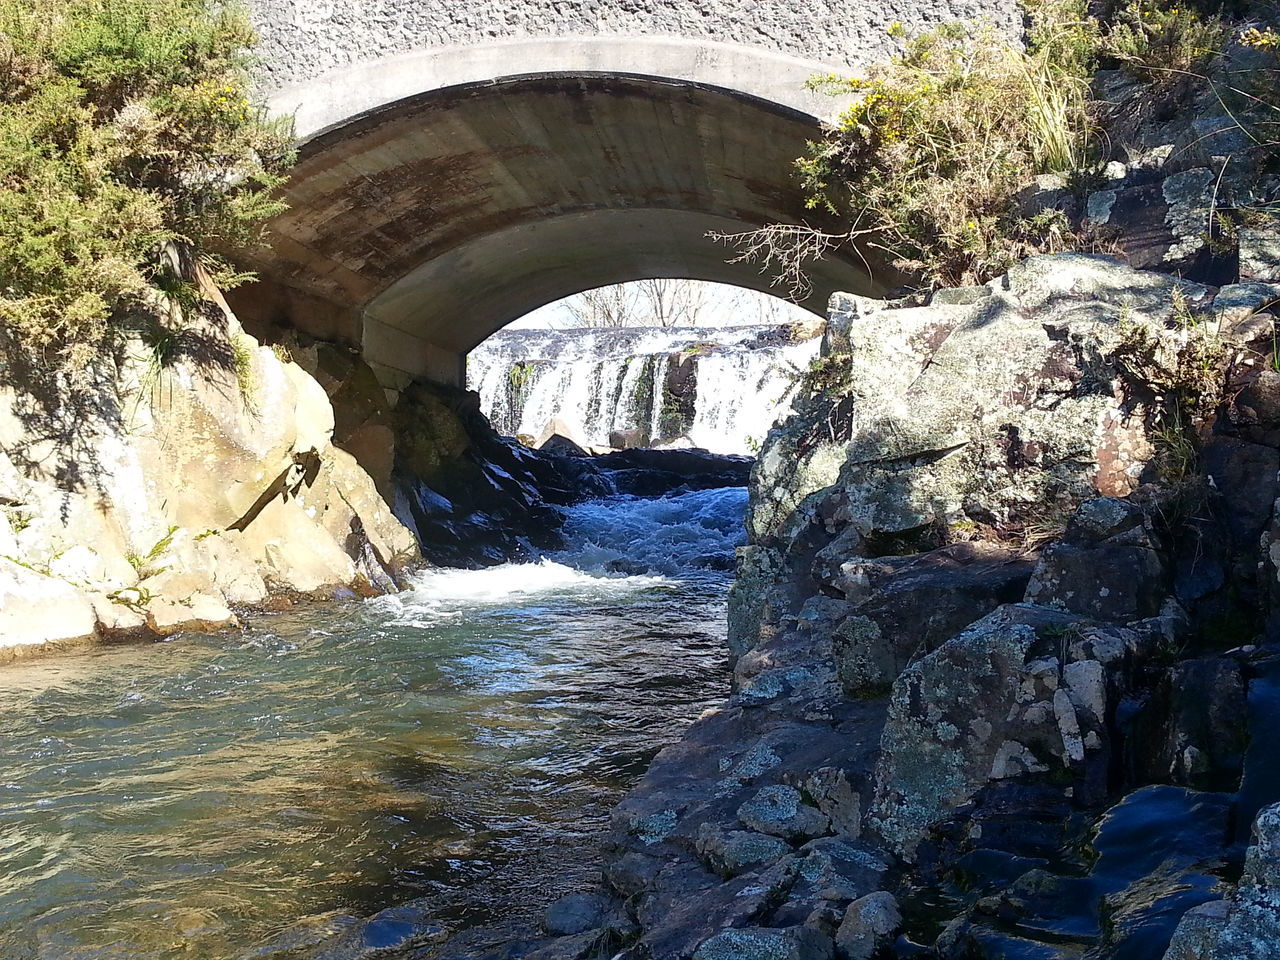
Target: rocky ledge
{"points": [[183, 479], [1005, 671]]}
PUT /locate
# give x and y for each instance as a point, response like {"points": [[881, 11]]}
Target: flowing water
{"points": [[722, 388], [461, 742]]}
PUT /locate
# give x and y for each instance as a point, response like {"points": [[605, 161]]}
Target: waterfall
{"points": [[719, 388]]}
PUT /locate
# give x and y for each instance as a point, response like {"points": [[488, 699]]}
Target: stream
{"points": [[461, 742]]}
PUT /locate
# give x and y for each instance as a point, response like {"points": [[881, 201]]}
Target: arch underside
{"points": [[418, 229]]}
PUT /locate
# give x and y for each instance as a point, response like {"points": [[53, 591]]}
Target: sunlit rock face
{"points": [[168, 493]]}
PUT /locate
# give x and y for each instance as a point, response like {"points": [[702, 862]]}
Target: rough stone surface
{"points": [[868, 926], [779, 810], [574, 914], [760, 943], [302, 41], [37, 609], [156, 500]]}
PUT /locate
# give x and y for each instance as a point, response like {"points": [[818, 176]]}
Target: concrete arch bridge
{"points": [[463, 163]]}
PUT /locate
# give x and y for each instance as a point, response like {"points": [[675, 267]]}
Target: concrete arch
{"points": [[421, 224], [333, 98]]}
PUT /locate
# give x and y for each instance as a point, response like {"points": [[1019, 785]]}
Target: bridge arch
{"points": [[489, 158]]}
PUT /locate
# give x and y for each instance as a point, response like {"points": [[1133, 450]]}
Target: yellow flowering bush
{"points": [[1163, 43]]}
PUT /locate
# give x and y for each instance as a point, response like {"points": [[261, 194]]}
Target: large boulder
{"points": [[166, 492]]}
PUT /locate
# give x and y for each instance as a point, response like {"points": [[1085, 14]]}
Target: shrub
{"points": [[930, 154], [125, 125], [1160, 43]]}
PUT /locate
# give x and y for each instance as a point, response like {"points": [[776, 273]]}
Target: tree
{"points": [[672, 303]]}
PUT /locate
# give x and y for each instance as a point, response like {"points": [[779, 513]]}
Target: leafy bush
{"points": [[125, 126], [1161, 43], [927, 163], [929, 155]]}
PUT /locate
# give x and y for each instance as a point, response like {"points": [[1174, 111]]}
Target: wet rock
{"points": [[732, 853], [1206, 734], [632, 873], [676, 925], [396, 928], [648, 472], [868, 926], [1251, 926], [574, 914], [781, 811], [766, 943], [577, 947]]}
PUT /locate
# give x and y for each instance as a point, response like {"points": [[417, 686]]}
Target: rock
{"points": [[36, 609], [562, 446], [472, 497], [118, 619], [1198, 931], [868, 926], [835, 797], [629, 439], [1206, 733], [576, 947], [735, 852], [906, 607], [676, 925], [779, 810], [838, 869], [945, 733], [1260, 253], [394, 929], [632, 873], [198, 612], [1105, 580], [1049, 191], [765, 943], [313, 413], [293, 552], [562, 429], [347, 505], [574, 914], [758, 569]]}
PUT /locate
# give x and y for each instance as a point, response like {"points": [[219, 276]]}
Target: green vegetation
{"points": [[145, 564], [927, 159], [926, 166], [126, 128]]}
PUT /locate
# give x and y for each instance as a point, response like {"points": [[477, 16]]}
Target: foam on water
{"points": [[673, 536], [614, 547], [449, 593]]}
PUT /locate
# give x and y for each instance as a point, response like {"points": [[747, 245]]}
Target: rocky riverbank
{"points": [[189, 481], [1005, 670], [178, 482]]}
